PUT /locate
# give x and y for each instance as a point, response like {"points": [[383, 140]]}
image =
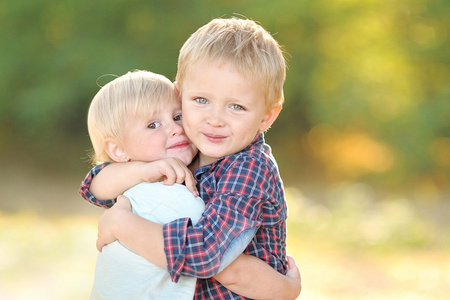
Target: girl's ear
{"points": [[270, 117], [116, 152]]}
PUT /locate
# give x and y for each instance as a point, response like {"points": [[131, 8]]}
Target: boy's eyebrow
{"points": [[198, 92]]}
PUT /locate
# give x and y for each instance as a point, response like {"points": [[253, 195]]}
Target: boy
{"points": [[230, 77]]}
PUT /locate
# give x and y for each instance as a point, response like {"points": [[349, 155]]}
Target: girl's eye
{"points": [[154, 125], [177, 118], [201, 100], [236, 107]]}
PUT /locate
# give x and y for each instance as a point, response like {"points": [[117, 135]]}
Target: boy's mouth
{"points": [[215, 138]]}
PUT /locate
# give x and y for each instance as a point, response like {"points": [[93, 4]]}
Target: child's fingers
{"points": [[191, 184], [99, 245], [181, 172], [123, 202], [291, 262], [170, 175], [184, 175], [175, 171], [293, 270], [294, 273]]}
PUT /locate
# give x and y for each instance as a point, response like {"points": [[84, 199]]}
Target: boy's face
{"points": [[159, 135], [222, 109]]}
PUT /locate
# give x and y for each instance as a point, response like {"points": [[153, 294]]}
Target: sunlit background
{"points": [[363, 141]]}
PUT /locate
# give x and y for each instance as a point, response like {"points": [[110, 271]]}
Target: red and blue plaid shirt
{"points": [[86, 184], [243, 191]]}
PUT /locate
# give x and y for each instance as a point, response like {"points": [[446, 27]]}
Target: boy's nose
{"points": [[215, 118]]}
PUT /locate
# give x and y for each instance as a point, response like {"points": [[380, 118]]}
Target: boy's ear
{"points": [[270, 117], [177, 87], [116, 152]]}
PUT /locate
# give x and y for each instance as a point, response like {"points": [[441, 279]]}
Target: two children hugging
{"points": [[230, 80]]}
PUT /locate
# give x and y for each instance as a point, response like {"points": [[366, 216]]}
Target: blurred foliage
{"points": [[351, 216], [367, 92]]}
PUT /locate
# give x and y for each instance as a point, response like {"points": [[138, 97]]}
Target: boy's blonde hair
{"points": [[244, 44], [136, 94]]}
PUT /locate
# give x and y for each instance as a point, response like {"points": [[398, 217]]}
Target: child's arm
{"points": [[247, 275], [116, 178], [251, 277], [138, 234]]}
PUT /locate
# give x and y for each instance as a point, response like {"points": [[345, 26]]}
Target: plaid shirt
{"points": [[85, 185], [242, 192]]}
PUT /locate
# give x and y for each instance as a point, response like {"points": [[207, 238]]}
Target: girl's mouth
{"points": [[179, 145]]}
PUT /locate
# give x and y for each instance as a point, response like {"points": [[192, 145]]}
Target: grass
{"points": [[352, 248], [46, 258]]}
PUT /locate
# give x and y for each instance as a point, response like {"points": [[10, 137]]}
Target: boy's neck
{"points": [[203, 160], [194, 164], [200, 161]]}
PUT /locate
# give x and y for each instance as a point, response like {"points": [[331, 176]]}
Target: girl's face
{"points": [[157, 136]]}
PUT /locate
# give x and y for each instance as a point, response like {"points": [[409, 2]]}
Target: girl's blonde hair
{"points": [[247, 46], [136, 94]]}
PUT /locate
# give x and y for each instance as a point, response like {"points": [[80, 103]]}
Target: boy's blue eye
{"points": [[201, 100], [237, 107], [154, 125]]}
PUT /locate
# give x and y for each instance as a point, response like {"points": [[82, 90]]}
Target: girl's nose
{"points": [[176, 129]]}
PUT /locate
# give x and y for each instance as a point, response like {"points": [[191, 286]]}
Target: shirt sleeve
{"points": [[234, 210], [86, 184]]}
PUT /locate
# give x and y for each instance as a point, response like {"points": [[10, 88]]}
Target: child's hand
{"points": [[169, 170], [294, 274], [109, 219]]}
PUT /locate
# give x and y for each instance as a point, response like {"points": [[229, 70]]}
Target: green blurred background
{"points": [[363, 141]]}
